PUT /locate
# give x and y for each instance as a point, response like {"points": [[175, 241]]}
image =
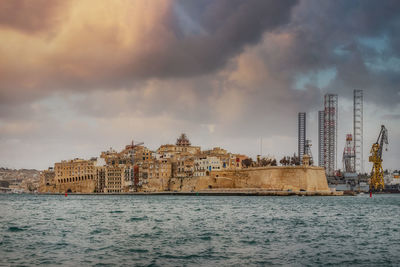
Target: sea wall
{"points": [[279, 178], [273, 178], [87, 186]]}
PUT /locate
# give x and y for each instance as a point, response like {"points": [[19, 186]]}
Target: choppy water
{"points": [[199, 230]]}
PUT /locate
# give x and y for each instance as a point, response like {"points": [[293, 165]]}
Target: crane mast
{"points": [[377, 181]]}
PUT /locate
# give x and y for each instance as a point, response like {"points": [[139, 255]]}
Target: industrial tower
{"points": [[330, 133], [302, 135], [321, 138], [358, 130], [348, 155]]}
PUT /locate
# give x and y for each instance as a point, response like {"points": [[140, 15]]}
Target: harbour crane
{"points": [[377, 181]]}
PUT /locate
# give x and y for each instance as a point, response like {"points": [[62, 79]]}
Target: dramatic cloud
{"points": [[78, 76], [106, 44], [31, 16]]}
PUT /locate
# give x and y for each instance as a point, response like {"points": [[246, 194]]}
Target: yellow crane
{"points": [[377, 182]]}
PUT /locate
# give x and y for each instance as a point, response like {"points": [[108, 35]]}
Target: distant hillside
{"points": [[21, 174]]}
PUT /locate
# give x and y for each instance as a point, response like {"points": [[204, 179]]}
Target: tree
{"points": [[265, 162], [247, 162], [285, 161], [293, 160]]}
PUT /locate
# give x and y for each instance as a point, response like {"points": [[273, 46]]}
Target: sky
{"points": [[78, 77]]}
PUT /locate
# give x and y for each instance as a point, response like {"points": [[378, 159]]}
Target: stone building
{"points": [[143, 154], [155, 174], [182, 147], [228, 160], [101, 179], [183, 140], [203, 166], [47, 181], [76, 175], [183, 167], [114, 179]]}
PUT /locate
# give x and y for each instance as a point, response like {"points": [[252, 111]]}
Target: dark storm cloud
{"points": [[330, 34], [226, 26]]}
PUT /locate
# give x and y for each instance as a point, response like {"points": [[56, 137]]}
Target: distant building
{"points": [[46, 180], [154, 176], [183, 167], [114, 179], [302, 134], [76, 175], [205, 165], [183, 140], [182, 147]]}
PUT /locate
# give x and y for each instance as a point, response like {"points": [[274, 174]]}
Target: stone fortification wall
{"points": [[86, 187], [295, 178], [277, 178], [156, 185]]}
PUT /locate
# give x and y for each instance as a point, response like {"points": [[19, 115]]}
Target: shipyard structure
{"points": [[327, 137], [179, 167]]}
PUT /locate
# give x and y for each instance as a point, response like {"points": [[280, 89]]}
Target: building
{"points": [[183, 140], [330, 133], [301, 134], [144, 154], [155, 175], [203, 166], [182, 146], [101, 179], [183, 167], [47, 180], [358, 130], [200, 167], [155, 169], [77, 175], [114, 179], [321, 123]]}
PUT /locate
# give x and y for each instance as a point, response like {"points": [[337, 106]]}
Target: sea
{"points": [[167, 230]]}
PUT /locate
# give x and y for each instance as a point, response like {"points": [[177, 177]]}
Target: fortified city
{"points": [[182, 167]]}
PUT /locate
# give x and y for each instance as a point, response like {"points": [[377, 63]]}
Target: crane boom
{"points": [[383, 139]]}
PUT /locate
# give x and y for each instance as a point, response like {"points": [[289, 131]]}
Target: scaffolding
{"points": [[330, 133], [302, 135], [358, 130], [321, 138]]}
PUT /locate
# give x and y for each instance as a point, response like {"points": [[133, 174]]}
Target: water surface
{"points": [[199, 230]]}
